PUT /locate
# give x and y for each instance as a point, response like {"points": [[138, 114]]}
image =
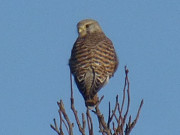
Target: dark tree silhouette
{"points": [[117, 123]]}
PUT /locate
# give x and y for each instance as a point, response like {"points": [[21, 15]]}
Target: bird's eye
{"points": [[87, 26]]}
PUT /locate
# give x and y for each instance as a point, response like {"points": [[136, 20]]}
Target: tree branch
{"points": [[118, 122], [81, 128]]}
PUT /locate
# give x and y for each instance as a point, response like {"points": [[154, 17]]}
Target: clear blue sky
{"points": [[36, 37]]}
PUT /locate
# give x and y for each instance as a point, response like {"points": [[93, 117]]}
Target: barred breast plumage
{"points": [[93, 61]]}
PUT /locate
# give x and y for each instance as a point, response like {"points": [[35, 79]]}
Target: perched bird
{"points": [[93, 60]]}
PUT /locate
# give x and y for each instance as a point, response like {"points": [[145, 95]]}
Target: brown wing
{"points": [[104, 63], [93, 61]]}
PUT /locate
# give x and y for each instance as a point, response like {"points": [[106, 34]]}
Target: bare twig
{"points": [[109, 115], [130, 125], [69, 127], [90, 123], [124, 90], [81, 128], [102, 124], [65, 125], [61, 121], [114, 129], [55, 128], [113, 112], [83, 121], [62, 109], [128, 94]]}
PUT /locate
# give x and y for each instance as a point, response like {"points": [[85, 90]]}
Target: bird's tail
{"points": [[91, 103]]}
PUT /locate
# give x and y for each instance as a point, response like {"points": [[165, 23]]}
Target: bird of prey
{"points": [[93, 60]]}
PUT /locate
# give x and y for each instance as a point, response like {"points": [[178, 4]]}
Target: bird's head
{"points": [[88, 26]]}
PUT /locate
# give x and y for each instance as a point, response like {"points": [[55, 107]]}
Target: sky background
{"points": [[36, 38]]}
